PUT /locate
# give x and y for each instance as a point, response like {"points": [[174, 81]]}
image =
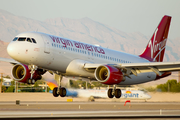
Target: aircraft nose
{"points": [[11, 50]]}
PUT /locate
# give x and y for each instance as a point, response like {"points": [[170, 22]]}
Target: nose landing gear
{"points": [[31, 81], [33, 68]]}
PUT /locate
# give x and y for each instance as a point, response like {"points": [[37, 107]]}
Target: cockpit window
{"points": [[15, 38], [22, 39], [34, 41], [29, 40]]}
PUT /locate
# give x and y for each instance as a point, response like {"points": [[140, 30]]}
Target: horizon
{"points": [[128, 16]]}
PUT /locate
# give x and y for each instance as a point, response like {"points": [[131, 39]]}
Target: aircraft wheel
{"points": [[117, 93], [55, 94], [29, 81], [110, 95], [33, 81], [62, 92]]}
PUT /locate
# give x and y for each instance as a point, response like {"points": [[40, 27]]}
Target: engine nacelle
{"points": [[21, 73], [108, 75]]}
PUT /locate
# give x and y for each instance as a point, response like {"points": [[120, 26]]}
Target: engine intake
{"points": [[21, 73], [108, 75]]}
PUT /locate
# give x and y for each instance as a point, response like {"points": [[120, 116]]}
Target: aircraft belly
{"points": [[140, 78], [60, 64]]}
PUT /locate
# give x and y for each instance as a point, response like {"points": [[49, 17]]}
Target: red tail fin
{"points": [[156, 47]]}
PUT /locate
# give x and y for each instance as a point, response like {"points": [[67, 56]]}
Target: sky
{"points": [[126, 15]]}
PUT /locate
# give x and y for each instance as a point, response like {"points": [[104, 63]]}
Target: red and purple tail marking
{"points": [[155, 49]]}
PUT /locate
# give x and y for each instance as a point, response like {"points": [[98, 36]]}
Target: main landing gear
{"points": [[59, 90], [114, 92]]}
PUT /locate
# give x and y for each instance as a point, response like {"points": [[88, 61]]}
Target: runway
{"points": [[88, 110]]}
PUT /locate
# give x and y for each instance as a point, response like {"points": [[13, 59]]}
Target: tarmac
{"points": [[45, 106]]}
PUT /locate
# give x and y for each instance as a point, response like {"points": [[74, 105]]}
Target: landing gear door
{"points": [[46, 45]]}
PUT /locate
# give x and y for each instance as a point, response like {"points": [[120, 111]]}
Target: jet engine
{"points": [[21, 73], [108, 75]]}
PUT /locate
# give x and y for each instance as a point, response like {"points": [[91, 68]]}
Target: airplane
{"points": [[35, 53], [97, 93], [87, 93]]}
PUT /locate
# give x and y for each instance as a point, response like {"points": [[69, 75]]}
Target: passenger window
{"points": [[22, 39], [15, 38], [34, 41]]}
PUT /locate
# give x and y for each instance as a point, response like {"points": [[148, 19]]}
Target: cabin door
{"points": [[46, 45]]}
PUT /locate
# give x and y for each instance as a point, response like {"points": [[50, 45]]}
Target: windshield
{"points": [[32, 40], [15, 38], [22, 39]]}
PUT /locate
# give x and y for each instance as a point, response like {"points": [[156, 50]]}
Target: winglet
{"points": [[156, 47]]}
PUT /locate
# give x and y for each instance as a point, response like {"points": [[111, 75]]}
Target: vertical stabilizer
{"points": [[156, 47]]}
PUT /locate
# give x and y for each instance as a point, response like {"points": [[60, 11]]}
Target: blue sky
{"points": [[126, 15]]}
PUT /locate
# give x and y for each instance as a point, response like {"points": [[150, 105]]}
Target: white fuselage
{"points": [[126, 94], [61, 54]]}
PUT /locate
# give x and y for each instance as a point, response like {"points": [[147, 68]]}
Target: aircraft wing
{"points": [[135, 68], [12, 61]]}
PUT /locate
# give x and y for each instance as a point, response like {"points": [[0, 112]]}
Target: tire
{"points": [[33, 81], [117, 93], [62, 92], [29, 81], [55, 94], [110, 95]]}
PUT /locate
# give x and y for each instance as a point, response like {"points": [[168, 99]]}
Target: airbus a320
{"points": [[35, 53]]}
